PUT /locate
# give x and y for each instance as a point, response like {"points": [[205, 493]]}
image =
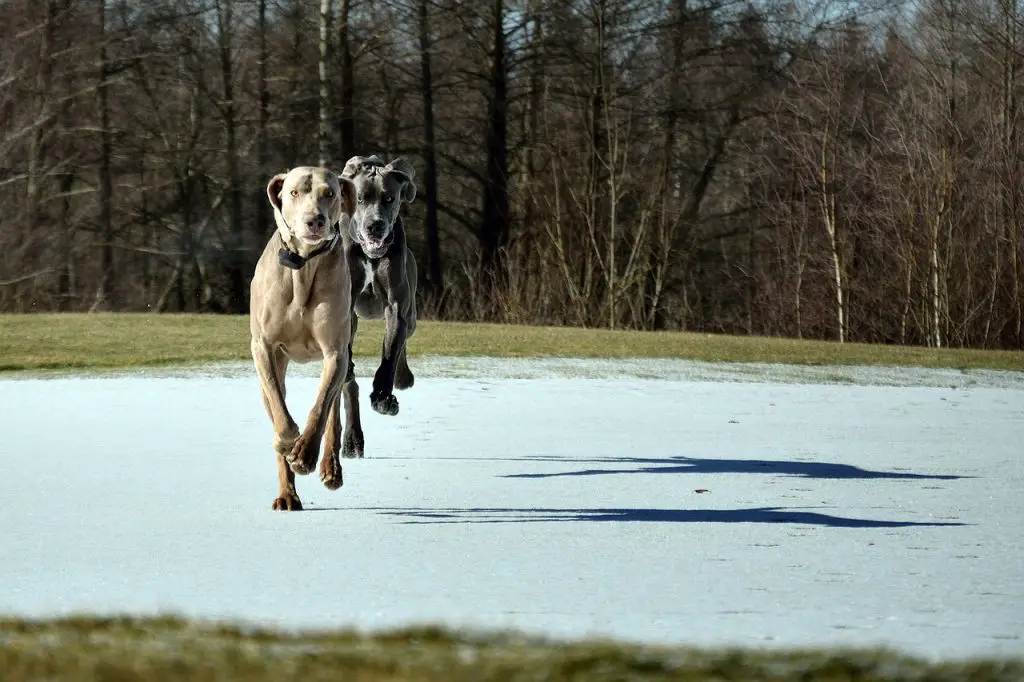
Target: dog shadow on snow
{"points": [[774, 515], [676, 465], [702, 465]]}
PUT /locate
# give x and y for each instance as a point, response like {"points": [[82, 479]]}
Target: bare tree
{"points": [[323, 136], [435, 267], [238, 244], [41, 108], [105, 289], [346, 127], [494, 221], [263, 125], [721, 166]]}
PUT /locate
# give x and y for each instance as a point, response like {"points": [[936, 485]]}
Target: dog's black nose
{"points": [[318, 221], [377, 228]]}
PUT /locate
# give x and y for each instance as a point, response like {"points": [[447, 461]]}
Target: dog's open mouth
{"points": [[375, 248]]}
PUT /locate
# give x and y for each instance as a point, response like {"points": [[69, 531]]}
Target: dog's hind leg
{"points": [[403, 375], [330, 467], [287, 497], [352, 444], [306, 451]]}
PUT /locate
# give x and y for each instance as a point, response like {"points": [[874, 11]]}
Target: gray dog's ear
{"points": [[357, 163], [274, 188], [352, 167], [401, 167]]}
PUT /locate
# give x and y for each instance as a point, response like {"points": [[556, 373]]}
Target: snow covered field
{"points": [[653, 501]]}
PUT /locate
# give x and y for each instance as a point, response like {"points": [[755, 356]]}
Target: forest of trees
{"points": [[807, 168]]}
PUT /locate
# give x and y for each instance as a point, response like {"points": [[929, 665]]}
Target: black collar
{"points": [[290, 259]]}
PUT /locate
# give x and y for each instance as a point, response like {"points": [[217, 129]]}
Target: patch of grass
{"points": [[105, 340], [169, 649]]}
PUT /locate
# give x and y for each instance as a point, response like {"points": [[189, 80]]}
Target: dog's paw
{"points": [[330, 472], [384, 404], [288, 502], [304, 454], [352, 444]]}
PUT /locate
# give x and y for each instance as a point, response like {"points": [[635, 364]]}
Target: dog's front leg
{"points": [[270, 368], [306, 451], [383, 399]]}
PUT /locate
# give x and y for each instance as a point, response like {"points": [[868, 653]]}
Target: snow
{"points": [[843, 506]]}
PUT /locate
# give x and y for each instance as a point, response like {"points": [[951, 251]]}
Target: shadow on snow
{"points": [[698, 465], [544, 515]]}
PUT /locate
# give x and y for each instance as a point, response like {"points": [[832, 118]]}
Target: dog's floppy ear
{"points": [[403, 171], [274, 188], [352, 167], [348, 196], [357, 163]]}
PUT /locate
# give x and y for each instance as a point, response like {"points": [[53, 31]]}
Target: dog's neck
{"points": [[295, 254]]}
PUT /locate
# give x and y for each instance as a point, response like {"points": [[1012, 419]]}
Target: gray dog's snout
{"points": [[316, 221], [376, 228]]}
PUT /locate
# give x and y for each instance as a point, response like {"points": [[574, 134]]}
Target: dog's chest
{"points": [[369, 300], [368, 277]]}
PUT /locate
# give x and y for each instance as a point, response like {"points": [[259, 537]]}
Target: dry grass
{"points": [[165, 650], [83, 341]]}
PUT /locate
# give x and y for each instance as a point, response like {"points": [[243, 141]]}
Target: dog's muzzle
{"points": [[374, 246]]}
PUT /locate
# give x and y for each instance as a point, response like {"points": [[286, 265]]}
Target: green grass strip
{"points": [[169, 650], [112, 340]]}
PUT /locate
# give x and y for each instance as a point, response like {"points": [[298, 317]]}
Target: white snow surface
{"points": [[651, 501]]}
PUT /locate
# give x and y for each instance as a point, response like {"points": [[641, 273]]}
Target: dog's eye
{"points": [[359, 199], [329, 193], [294, 192], [388, 198]]}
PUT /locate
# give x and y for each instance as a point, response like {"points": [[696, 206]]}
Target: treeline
{"points": [[841, 170]]}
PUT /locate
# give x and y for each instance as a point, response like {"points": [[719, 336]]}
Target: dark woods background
{"points": [[802, 168]]}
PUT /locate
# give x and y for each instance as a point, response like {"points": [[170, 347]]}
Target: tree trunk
{"points": [[347, 119], [669, 197], [323, 138], [494, 225], [536, 88], [829, 217], [908, 280], [1017, 253], [296, 74], [66, 278], [936, 292], [105, 291], [1012, 159], [237, 256], [41, 110], [263, 149], [434, 265], [610, 143]]}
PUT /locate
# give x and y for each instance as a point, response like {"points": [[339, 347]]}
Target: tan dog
{"points": [[300, 310]]}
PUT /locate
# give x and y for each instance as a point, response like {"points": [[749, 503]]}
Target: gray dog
{"points": [[383, 272]]}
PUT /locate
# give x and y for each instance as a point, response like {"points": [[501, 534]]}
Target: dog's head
{"points": [[380, 190], [310, 204]]}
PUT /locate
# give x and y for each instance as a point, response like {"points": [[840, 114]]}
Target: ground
{"points": [[652, 501]]}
